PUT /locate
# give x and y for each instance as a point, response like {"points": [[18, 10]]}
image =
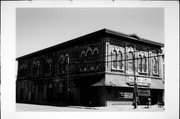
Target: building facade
{"points": [[96, 69]]}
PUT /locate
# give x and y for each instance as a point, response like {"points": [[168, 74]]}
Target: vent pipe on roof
{"points": [[134, 36]]}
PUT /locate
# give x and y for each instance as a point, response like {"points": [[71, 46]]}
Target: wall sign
{"points": [[128, 95], [144, 92], [139, 80]]}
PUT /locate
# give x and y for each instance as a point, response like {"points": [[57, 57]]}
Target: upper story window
{"points": [[66, 63], [23, 71], [117, 59], [114, 59], [130, 61], [155, 65], [83, 61], [48, 67], [61, 64], [36, 69], [140, 63], [95, 54], [120, 60], [144, 64], [89, 58]]}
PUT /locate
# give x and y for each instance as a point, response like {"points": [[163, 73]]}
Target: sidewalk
{"points": [[40, 108]]}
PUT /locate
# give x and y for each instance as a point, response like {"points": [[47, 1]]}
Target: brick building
{"points": [[98, 69]]}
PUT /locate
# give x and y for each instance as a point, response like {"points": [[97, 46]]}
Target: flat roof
{"points": [[133, 37]]}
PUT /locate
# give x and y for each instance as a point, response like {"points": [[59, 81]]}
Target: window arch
{"points": [[89, 50], [130, 61], [82, 54], [114, 59], [95, 51]]}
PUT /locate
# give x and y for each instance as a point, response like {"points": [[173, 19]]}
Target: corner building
{"points": [[96, 69]]}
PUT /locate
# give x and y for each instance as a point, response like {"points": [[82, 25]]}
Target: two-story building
{"points": [[99, 69]]}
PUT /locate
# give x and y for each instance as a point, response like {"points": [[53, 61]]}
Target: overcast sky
{"points": [[39, 28]]}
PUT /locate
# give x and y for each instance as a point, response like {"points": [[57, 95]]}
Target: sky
{"points": [[39, 28]]}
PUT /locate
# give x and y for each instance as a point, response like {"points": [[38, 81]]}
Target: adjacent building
{"points": [[96, 69]]}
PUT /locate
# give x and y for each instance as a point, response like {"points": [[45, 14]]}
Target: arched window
{"points": [[120, 60], [130, 61], [23, 72], [48, 67], [66, 63], [83, 61], [96, 52], [89, 59], [34, 69], [140, 63], [155, 65], [144, 64], [38, 69], [114, 59], [61, 63]]}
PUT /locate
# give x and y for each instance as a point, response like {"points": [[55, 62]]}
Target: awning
{"points": [[100, 83], [112, 80]]}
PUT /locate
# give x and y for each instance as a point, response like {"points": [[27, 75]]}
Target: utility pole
{"points": [[68, 88], [135, 83]]}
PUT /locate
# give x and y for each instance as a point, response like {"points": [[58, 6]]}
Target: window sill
{"points": [[143, 73], [155, 75], [121, 70]]}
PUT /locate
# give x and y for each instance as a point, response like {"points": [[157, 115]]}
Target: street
{"points": [[42, 108]]}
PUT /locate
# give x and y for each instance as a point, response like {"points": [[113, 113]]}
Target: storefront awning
{"points": [[112, 81]]}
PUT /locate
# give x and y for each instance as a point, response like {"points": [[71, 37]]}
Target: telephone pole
{"points": [[68, 78], [135, 84]]}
